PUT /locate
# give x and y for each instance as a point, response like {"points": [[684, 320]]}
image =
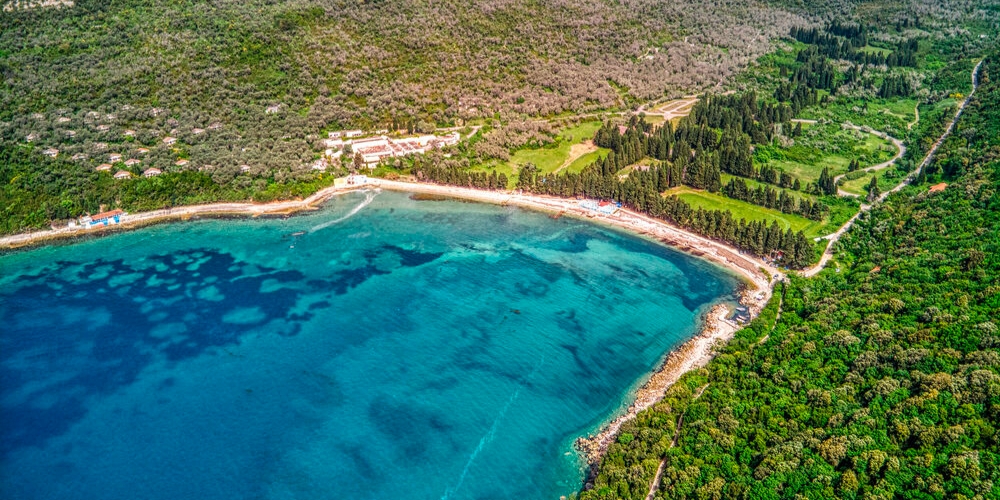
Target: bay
{"points": [[381, 347]]}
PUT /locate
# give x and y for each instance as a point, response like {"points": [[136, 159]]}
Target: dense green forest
{"points": [[880, 378]]}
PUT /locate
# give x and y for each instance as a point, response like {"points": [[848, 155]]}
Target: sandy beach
{"points": [[695, 353], [141, 219]]}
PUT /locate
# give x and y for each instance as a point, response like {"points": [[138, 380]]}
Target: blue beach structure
{"points": [[103, 219]]}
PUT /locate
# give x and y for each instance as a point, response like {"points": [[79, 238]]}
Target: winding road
{"points": [[833, 237], [900, 151]]}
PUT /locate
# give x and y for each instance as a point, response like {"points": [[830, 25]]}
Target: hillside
{"points": [[877, 379]]}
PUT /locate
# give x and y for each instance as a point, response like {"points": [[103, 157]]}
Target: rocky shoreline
{"points": [[695, 353]]}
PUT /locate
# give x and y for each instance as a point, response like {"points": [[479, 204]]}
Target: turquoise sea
{"points": [[378, 348]]}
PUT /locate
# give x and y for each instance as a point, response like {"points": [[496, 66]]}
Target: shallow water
{"points": [[402, 349]]}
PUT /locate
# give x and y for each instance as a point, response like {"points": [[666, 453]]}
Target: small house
{"points": [[123, 174], [244, 168], [104, 167], [181, 162], [132, 162], [215, 126], [103, 219], [113, 157], [272, 109], [31, 137], [129, 133], [169, 140], [51, 152], [63, 119], [198, 131], [79, 156], [104, 128], [335, 135], [353, 133], [151, 172], [142, 151]]}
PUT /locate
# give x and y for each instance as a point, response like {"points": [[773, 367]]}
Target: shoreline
{"points": [[692, 354], [697, 351], [143, 219]]}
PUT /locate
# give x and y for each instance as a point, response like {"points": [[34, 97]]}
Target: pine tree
{"points": [[873, 191]]}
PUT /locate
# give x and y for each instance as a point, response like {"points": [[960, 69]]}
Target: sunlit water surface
{"points": [[379, 348]]}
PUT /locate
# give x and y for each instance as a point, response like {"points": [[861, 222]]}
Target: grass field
{"points": [[750, 212], [549, 159], [887, 115], [807, 159], [587, 159], [887, 179], [903, 108]]}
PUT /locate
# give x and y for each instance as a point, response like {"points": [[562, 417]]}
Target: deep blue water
{"points": [[395, 349]]}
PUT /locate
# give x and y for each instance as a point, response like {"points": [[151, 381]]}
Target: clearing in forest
{"points": [[825, 146], [743, 210], [572, 143]]}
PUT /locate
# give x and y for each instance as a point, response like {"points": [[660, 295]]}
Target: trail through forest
{"points": [[834, 237]]}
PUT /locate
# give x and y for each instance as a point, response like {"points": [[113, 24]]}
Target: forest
{"points": [[246, 91], [879, 378]]}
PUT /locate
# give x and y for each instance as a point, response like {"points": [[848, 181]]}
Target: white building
{"points": [[51, 152], [151, 172], [123, 174], [169, 140]]}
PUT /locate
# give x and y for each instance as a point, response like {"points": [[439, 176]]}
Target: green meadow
{"points": [[840, 212]]}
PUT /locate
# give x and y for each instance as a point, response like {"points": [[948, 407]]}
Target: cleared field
{"points": [[886, 180], [587, 159], [549, 159], [902, 108], [806, 161], [887, 115], [743, 210]]}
